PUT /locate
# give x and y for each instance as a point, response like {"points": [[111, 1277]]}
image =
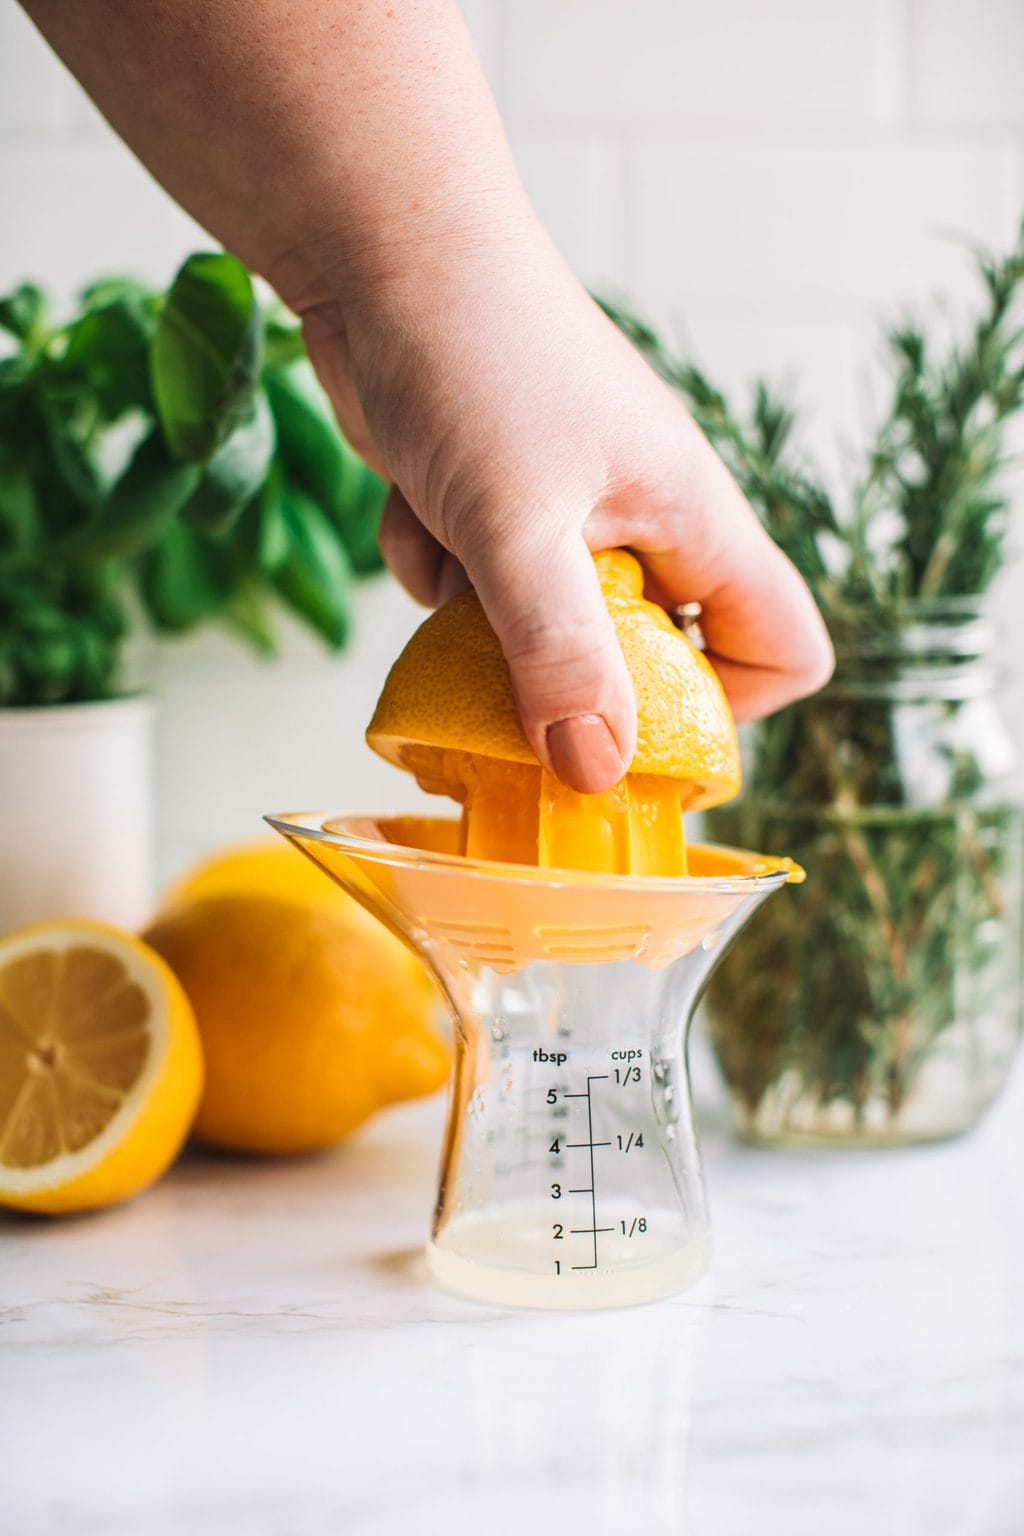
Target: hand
{"points": [[521, 431], [361, 166]]}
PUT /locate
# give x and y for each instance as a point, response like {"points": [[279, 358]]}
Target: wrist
{"points": [[392, 259]]}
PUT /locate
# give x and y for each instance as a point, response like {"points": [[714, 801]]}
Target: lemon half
{"points": [[101, 1069]]}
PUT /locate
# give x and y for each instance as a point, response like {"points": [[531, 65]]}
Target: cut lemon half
{"points": [[447, 714], [100, 1067]]}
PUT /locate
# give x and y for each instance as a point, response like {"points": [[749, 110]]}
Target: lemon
{"points": [[312, 1016], [100, 1067], [448, 715]]}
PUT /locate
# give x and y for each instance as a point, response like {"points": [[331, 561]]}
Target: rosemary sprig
{"points": [[828, 1016], [929, 513]]}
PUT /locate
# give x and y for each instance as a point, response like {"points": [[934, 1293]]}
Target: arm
{"points": [[350, 151]]}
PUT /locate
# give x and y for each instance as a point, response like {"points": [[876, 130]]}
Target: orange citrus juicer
{"points": [[570, 1169], [571, 936]]}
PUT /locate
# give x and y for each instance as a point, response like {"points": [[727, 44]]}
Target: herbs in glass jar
{"points": [[882, 1003]]}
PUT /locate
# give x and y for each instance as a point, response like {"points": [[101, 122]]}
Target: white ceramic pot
{"points": [[76, 812]]}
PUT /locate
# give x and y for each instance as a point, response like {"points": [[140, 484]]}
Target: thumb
{"points": [[572, 689]]}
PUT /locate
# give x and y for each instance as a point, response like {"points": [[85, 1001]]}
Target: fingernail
{"points": [[583, 753]]}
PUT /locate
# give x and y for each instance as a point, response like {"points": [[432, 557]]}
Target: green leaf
{"points": [[205, 357], [70, 459], [51, 652], [273, 539], [116, 290], [183, 580], [315, 578], [283, 343], [360, 528], [40, 657], [311, 445], [317, 457], [19, 511], [244, 613], [23, 312], [235, 473], [96, 661], [143, 502], [108, 346]]}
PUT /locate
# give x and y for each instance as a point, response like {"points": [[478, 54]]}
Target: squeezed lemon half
{"points": [[447, 714]]}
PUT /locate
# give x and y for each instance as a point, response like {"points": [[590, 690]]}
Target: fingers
{"points": [[427, 571], [574, 694], [764, 633]]}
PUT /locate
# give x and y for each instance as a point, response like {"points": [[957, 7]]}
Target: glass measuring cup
{"points": [[570, 1171]]}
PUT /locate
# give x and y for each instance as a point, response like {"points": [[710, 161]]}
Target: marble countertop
{"points": [[255, 1348]]}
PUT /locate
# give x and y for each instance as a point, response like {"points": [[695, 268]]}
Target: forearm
{"points": [[329, 143]]}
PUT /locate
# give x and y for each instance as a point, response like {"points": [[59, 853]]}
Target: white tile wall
{"points": [[666, 62], [73, 208], [767, 179], [578, 186], [811, 223], [969, 63], [31, 83]]}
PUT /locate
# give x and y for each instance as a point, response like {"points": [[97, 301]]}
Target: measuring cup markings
{"points": [[625, 1076]]}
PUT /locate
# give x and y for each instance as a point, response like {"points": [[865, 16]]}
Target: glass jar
{"points": [[882, 1003]]}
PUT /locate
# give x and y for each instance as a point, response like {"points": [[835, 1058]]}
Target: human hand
{"points": [[361, 166], [521, 431]]}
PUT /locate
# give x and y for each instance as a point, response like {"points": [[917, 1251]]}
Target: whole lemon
{"points": [[312, 1015]]}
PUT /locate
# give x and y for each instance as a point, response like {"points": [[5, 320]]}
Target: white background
{"points": [[769, 180]]}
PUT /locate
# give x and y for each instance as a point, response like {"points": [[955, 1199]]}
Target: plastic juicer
{"points": [[570, 1171]]}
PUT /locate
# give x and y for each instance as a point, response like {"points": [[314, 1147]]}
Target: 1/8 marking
{"points": [[624, 1076]]}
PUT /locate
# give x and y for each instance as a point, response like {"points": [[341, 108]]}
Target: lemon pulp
{"points": [[521, 814]]}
